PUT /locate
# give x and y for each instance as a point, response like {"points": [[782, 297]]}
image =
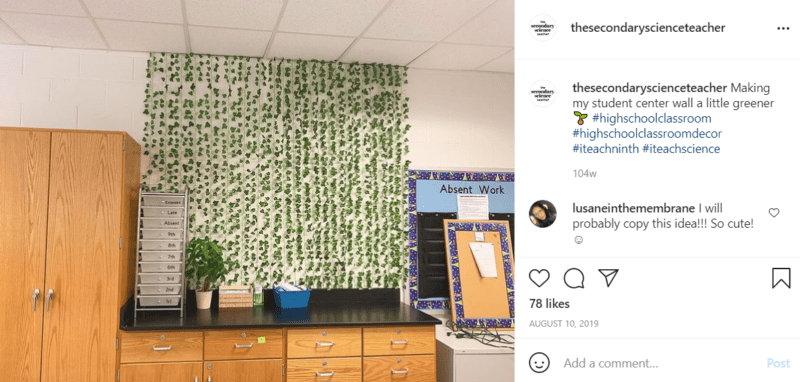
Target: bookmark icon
{"points": [[609, 274]]}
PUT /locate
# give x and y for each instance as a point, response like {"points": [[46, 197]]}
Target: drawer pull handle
{"points": [[237, 346], [162, 348], [328, 374], [399, 342], [404, 371], [325, 344]]}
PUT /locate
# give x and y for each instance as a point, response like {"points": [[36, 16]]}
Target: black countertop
{"points": [[341, 314]]}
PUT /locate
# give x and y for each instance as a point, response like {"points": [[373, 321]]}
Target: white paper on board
{"points": [[484, 257], [473, 207]]}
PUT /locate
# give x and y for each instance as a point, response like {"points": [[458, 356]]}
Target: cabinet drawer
{"points": [[174, 234], [324, 370], [399, 340], [161, 347], [325, 342], [419, 368], [161, 223], [161, 245], [162, 372], [159, 200], [243, 344], [261, 370], [162, 212]]}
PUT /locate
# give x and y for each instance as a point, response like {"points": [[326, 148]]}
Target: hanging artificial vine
{"points": [[296, 167]]}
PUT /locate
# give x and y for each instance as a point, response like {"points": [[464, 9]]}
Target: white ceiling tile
{"points": [[59, 31], [504, 63], [308, 47], [339, 18], [495, 26], [7, 36], [457, 57], [48, 7], [424, 20], [385, 51], [163, 11], [228, 42], [145, 37], [244, 14]]}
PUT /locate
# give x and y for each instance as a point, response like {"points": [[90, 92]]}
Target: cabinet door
{"points": [[162, 372], [266, 370], [83, 249], [24, 167]]}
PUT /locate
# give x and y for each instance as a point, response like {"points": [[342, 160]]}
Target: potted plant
{"points": [[205, 265]]}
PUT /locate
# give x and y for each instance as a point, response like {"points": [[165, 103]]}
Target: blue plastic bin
{"points": [[291, 299]]}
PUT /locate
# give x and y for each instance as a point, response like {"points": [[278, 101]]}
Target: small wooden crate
{"points": [[235, 296]]}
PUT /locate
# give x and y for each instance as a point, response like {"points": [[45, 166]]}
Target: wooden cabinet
{"points": [[399, 340], [64, 200], [417, 368], [243, 371], [161, 347], [24, 180], [243, 344], [323, 342], [286, 355], [162, 372], [324, 369]]}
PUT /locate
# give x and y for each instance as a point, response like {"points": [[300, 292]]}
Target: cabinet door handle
{"points": [[35, 297], [404, 371], [328, 374], [209, 378], [324, 344], [237, 346], [162, 348], [195, 379], [399, 342], [48, 298]]}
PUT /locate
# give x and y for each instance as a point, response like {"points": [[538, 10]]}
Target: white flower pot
{"points": [[203, 299]]}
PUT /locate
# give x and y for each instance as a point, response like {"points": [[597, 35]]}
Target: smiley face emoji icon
{"points": [[539, 362]]}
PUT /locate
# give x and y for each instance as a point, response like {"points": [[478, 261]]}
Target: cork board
{"points": [[480, 301]]}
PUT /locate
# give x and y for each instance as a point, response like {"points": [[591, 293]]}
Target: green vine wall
{"points": [[296, 167]]}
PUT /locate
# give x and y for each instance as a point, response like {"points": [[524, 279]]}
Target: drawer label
{"points": [[170, 222], [171, 278]]}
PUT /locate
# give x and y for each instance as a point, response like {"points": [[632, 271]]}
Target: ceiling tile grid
{"points": [[430, 34]]}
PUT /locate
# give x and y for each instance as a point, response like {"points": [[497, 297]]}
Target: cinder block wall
{"points": [[461, 119]]}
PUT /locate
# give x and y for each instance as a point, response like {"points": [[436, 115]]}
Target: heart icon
{"points": [[539, 277], [774, 212]]}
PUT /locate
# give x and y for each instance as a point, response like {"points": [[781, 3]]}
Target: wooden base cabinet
{"points": [[319, 354], [162, 372], [66, 251], [324, 369], [416, 368], [265, 370]]}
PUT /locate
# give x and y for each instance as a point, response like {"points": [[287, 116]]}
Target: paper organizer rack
{"points": [[161, 246]]}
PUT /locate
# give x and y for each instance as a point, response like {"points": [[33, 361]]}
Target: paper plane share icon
{"points": [[609, 274]]}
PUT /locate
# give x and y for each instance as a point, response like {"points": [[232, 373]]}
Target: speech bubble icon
{"points": [[573, 277]]}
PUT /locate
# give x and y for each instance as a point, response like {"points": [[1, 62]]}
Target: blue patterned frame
{"points": [[413, 255], [455, 271]]}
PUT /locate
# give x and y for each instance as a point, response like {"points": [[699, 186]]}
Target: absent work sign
{"points": [[473, 207]]}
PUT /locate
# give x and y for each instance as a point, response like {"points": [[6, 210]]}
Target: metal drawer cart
{"points": [[162, 234]]}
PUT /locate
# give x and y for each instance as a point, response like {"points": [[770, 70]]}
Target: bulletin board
{"points": [[480, 302], [428, 194]]}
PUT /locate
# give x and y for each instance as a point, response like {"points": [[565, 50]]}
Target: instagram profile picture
{"points": [[542, 214]]}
